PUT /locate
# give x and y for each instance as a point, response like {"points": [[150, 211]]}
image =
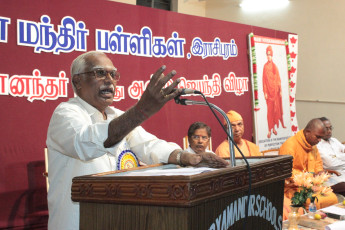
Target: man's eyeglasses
{"points": [[102, 74], [197, 137], [329, 128]]}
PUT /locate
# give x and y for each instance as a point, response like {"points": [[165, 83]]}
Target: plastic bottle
{"points": [[312, 210]]}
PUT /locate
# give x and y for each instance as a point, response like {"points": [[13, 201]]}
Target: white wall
{"points": [[319, 25], [191, 7], [133, 2]]}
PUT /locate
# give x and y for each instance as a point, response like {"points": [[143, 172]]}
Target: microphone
{"points": [[186, 91], [183, 101], [231, 141], [180, 101]]}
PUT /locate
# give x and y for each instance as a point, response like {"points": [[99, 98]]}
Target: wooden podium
{"points": [[210, 200]]}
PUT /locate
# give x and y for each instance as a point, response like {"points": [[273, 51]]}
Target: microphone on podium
{"points": [[228, 132], [183, 101], [186, 91]]}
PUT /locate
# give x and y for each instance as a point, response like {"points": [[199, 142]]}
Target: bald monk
{"points": [[306, 157], [247, 148], [273, 93]]}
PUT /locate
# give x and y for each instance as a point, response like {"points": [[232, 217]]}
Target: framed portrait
{"points": [[270, 65]]}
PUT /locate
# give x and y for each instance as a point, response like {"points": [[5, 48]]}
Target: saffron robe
{"points": [[272, 88], [248, 149], [305, 158]]}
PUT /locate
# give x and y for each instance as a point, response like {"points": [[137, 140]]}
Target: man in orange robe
{"points": [[273, 93], [306, 157], [247, 148]]}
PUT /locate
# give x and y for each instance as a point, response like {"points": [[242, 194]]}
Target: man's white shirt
{"points": [[332, 153], [75, 138]]}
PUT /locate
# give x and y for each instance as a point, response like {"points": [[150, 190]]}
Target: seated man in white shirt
{"points": [[199, 135], [86, 135], [332, 153]]}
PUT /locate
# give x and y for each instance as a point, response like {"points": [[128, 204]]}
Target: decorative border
{"points": [[254, 72], [293, 52], [181, 191]]}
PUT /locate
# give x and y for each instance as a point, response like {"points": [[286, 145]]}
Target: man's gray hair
{"points": [[80, 63], [198, 125]]}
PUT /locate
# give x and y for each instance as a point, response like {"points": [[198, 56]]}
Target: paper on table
{"points": [[339, 225], [335, 210], [170, 172]]}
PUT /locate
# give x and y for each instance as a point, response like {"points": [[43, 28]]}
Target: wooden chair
{"points": [[270, 152], [186, 143], [35, 198], [45, 174]]}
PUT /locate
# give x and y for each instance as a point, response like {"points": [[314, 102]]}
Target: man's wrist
{"points": [[141, 112], [178, 157]]}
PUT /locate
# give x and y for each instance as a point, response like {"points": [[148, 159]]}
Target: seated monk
{"points": [[247, 148], [306, 158]]}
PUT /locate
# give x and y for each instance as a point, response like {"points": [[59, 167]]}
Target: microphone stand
{"points": [[230, 139], [231, 145]]}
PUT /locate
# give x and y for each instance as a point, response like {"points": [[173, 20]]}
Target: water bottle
{"points": [[312, 210]]}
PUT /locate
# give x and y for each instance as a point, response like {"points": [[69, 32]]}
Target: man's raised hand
{"points": [[155, 96]]}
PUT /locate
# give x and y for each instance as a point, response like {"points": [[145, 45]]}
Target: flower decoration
{"points": [[309, 186]]}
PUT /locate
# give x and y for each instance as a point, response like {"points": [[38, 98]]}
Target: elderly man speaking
{"points": [[86, 135]]}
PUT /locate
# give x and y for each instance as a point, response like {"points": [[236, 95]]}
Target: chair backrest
{"points": [[186, 143], [46, 167], [270, 152]]}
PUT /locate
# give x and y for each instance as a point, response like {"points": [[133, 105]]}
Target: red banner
{"points": [[40, 39]]}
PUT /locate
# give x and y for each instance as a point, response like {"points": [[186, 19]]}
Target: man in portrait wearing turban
{"points": [[273, 93]]}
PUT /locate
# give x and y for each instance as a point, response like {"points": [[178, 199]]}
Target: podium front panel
{"points": [[209, 200]]}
